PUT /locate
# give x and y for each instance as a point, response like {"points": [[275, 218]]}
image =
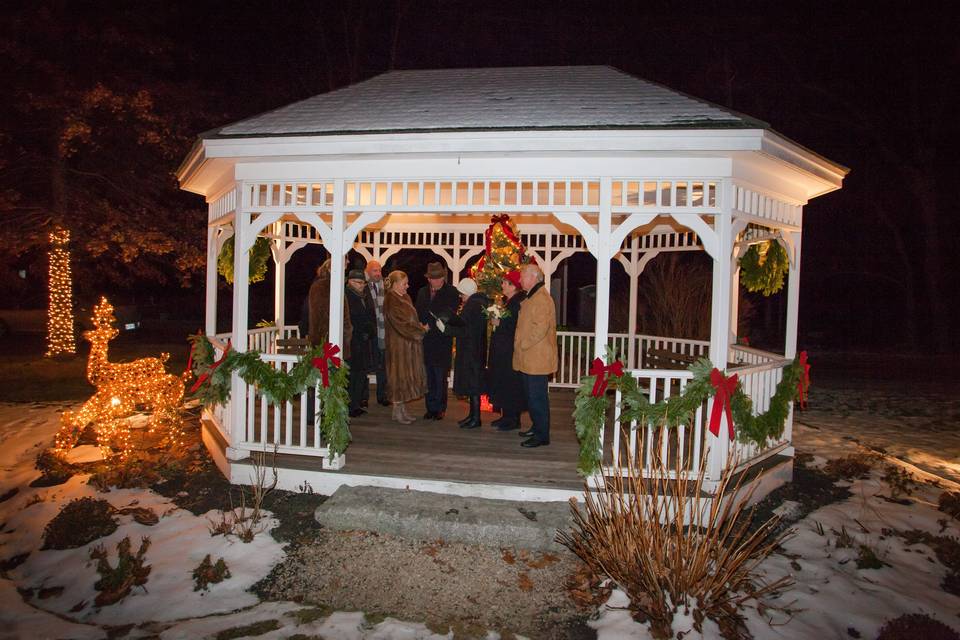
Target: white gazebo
{"points": [[584, 159]]}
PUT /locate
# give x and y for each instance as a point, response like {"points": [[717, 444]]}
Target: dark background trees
{"points": [[102, 100]]}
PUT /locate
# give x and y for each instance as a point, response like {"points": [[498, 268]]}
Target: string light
{"points": [[60, 338], [121, 388]]}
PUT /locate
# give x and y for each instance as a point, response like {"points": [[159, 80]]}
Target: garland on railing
{"points": [[591, 404], [763, 269], [320, 368]]}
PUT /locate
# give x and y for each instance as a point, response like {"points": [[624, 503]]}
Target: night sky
{"points": [[872, 86]]}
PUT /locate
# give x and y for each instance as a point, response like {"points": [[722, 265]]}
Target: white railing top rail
{"points": [[760, 366], [760, 353]]}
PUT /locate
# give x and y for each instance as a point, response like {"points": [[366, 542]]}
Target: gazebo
{"points": [[584, 159]]}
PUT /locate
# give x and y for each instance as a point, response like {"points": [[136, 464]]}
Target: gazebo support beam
{"points": [[241, 295], [603, 251], [793, 239]]}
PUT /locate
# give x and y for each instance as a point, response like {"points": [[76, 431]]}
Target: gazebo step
{"points": [[421, 515]]}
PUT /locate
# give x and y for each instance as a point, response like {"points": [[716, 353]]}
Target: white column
{"points": [[720, 323], [241, 291], [734, 298], [280, 257], [601, 321], [337, 251], [210, 316], [634, 275], [793, 299]]}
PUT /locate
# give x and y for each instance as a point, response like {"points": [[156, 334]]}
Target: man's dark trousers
{"points": [[380, 369], [437, 389], [538, 404]]}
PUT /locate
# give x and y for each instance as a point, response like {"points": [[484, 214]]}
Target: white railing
{"points": [[634, 442], [748, 355], [759, 382]]}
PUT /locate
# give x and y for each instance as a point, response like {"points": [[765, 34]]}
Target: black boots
{"points": [[472, 421], [508, 423]]}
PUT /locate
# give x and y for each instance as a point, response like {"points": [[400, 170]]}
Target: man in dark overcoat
{"points": [[364, 325], [437, 301]]}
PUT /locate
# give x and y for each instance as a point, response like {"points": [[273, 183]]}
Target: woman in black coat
{"points": [[504, 384], [470, 329]]}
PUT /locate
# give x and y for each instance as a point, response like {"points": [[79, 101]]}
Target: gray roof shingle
{"points": [[510, 98]]}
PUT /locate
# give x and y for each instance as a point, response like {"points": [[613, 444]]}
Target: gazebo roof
{"points": [[509, 98]]}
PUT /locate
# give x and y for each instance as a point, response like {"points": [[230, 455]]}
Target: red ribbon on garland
{"points": [[330, 352], [721, 401], [213, 367], [597, 369], [803, 385], [193, 346]]}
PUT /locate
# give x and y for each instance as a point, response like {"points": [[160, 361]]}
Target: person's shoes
{"points": [[467, 418], [534, 441], [383, 403], [364, 404], [438, 415], [405, 416], [508, 424], [398, 414], [356, 412], [527, 433], [429, 415]]}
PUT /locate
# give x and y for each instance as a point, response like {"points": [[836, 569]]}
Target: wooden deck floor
{"points": [[440, 450]]}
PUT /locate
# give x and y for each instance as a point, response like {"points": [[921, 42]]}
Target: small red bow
{"points": [[803, 386], [597, 369], [330, 352], [193, 346], [213, 367], [721, 401]]}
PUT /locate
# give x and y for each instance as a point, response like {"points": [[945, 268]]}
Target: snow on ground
{"points": [[831, 594]]}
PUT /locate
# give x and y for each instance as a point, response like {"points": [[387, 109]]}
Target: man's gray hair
{"points": [[535, 268]]}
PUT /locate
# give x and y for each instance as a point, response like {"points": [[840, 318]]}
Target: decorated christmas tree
{"points": [[504, 252]]}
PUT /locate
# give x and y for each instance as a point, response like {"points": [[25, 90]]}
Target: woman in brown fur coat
{"points": [[406, 376]]}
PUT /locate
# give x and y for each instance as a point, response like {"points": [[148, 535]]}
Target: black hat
{"points": [[356, 274]]}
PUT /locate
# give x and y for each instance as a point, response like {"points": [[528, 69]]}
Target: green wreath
{"points": [[259, 259], [589, 411], [277, 386], [763, 271]]}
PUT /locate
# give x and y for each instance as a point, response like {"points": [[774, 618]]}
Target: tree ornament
{"points": [[259, 260], [503, 252], [763, 267]]}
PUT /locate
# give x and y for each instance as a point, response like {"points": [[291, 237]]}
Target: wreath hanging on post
{"points": [[763, 267], [259, 258]]}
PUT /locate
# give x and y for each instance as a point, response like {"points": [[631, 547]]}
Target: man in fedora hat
{"points": [[438, 301]]}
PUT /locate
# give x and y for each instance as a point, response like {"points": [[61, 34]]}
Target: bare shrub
{"points": [[245, 521], [115, 583], [79, 522], [852, 466], [674, 297], [671, 548]]}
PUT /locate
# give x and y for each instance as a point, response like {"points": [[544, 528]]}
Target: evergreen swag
{"points": [[277, 386], [763, 270], [589, 411], [259, 258]]}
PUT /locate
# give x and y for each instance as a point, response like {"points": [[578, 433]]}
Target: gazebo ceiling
{"points": [[511, 98]]}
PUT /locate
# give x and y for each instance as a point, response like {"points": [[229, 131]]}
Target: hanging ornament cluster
{"points": [[259, 260], [503, 252], [122, 389], [763, 267], [60, 338]]}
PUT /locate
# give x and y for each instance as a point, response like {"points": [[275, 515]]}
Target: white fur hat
{"points": [[467, 286]]}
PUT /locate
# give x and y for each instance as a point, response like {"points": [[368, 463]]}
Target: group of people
{"points": [[410, 345]]}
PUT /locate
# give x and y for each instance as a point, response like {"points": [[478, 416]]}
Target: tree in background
{"points": [[504, 252]]}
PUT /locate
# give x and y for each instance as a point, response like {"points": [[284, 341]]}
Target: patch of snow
{"points": [[84, 453]]}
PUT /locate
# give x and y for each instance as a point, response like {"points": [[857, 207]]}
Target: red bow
{"points": [[803, 386], [330, 352], [193, 346], [721, 400], [213, 367], [511, 236], [597, 369]]}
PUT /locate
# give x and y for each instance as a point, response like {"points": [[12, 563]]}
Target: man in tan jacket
{"points": [[535, 352]]}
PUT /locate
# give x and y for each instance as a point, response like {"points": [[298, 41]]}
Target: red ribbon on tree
{"points": [[803, 385], [721, 401], [597, 369], [330, 352], [213, 367]]}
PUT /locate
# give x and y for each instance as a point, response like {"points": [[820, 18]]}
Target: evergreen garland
{"points": [[259, 259], [276, 385], [764, 271], [589, 411]]}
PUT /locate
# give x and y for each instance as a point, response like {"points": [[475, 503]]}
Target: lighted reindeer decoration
{"points": [[122, 387]]}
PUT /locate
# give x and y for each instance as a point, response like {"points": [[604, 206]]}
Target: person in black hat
{"points": [[437, 301], [364, 332]]}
